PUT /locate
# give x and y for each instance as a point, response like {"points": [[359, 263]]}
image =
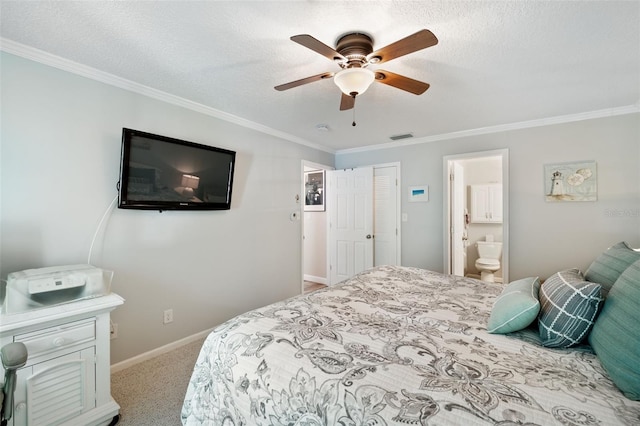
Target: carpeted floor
{"points": [[151, 393]]}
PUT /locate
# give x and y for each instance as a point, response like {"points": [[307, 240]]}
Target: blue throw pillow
{"points": [[615, 337], [516, 307], [568, 308], [607, 267]]}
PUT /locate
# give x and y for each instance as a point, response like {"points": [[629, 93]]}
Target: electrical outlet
{"points": [[114, 331], [168, 316]]}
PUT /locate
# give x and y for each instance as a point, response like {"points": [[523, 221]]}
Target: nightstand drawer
{"points": [[58, 337]]}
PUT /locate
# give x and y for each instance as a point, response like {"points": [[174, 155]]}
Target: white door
{"points": [[385, 242], [458, 236], [350, 206]]}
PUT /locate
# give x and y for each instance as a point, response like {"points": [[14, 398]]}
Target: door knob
{"points": [[369, 236]]}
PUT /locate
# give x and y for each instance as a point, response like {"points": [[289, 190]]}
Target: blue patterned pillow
{"points": [[615, 337], [607, 267], [568, 308], [516, 307]]}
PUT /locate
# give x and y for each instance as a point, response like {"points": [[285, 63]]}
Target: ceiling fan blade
{"points": [[420, 40], [401, 82], [347, 102], [302, 81], [319, 47]]}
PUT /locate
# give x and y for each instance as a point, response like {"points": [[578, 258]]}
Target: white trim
{"points": [[40, 56], [610, 112], [315, 279], [304, 165], [158, 351], [446, 160], [55, 61]]}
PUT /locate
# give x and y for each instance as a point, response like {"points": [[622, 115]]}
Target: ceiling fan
{"points": [[354, 53]]}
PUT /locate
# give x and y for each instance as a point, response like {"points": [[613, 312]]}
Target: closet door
{"points": [[385, 243]]}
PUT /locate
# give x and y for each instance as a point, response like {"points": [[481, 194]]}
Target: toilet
{"points": [[488, 262]]}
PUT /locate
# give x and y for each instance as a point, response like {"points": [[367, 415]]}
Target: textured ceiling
{"points": [[496, 63]]}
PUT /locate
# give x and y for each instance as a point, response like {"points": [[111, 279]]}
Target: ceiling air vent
{"points": [[398, 137]]}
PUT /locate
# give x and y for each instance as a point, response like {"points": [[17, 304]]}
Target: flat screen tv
{"points": [[163, 173]]}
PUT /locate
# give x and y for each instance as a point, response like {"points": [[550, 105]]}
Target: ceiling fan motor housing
{"points": [[355, 47]]}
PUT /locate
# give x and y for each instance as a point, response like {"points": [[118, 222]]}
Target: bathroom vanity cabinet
{"points": [[486, 203], [67, 378]]}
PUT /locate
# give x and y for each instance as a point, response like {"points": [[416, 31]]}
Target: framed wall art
{"points": [[419, 194], [314, 191], [574, 181]]}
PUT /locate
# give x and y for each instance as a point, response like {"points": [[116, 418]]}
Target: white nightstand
{"points": [[67, 378]]}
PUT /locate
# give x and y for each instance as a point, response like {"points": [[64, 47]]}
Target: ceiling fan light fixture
{"points": [[354, 80]]}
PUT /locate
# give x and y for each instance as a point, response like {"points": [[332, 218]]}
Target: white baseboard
{"points": [[319, 280], [158, 351]]}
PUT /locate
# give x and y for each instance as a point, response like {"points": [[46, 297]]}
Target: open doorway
{"points": [[476, 215], [314, 220], [386, 236]]}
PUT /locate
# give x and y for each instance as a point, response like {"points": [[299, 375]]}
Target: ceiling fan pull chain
{"points": [[354, 109]]}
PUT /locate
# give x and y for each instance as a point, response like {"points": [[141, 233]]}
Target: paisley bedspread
{"points": [[394, 346]]}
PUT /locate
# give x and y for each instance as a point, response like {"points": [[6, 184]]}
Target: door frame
{"points": [[447, 160], [318, 166], [457, 218], [315, 166]]}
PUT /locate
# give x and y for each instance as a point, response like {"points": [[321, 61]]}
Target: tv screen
{"points": [[163, 173]]}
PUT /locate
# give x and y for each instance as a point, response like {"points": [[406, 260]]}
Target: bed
{"points": [[395, 346]]}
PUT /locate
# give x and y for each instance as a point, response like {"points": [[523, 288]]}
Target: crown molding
{"points": [[49, 59], [55, 61], [610, 112]]}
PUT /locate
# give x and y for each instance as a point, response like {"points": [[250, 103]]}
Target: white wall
{"points": [[544, 237], [315, 247], [59, 153], [60, 162]]}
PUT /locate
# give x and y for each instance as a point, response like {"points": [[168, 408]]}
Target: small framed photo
{"points": [[419, 194], [314, 191], [575, 181]]}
